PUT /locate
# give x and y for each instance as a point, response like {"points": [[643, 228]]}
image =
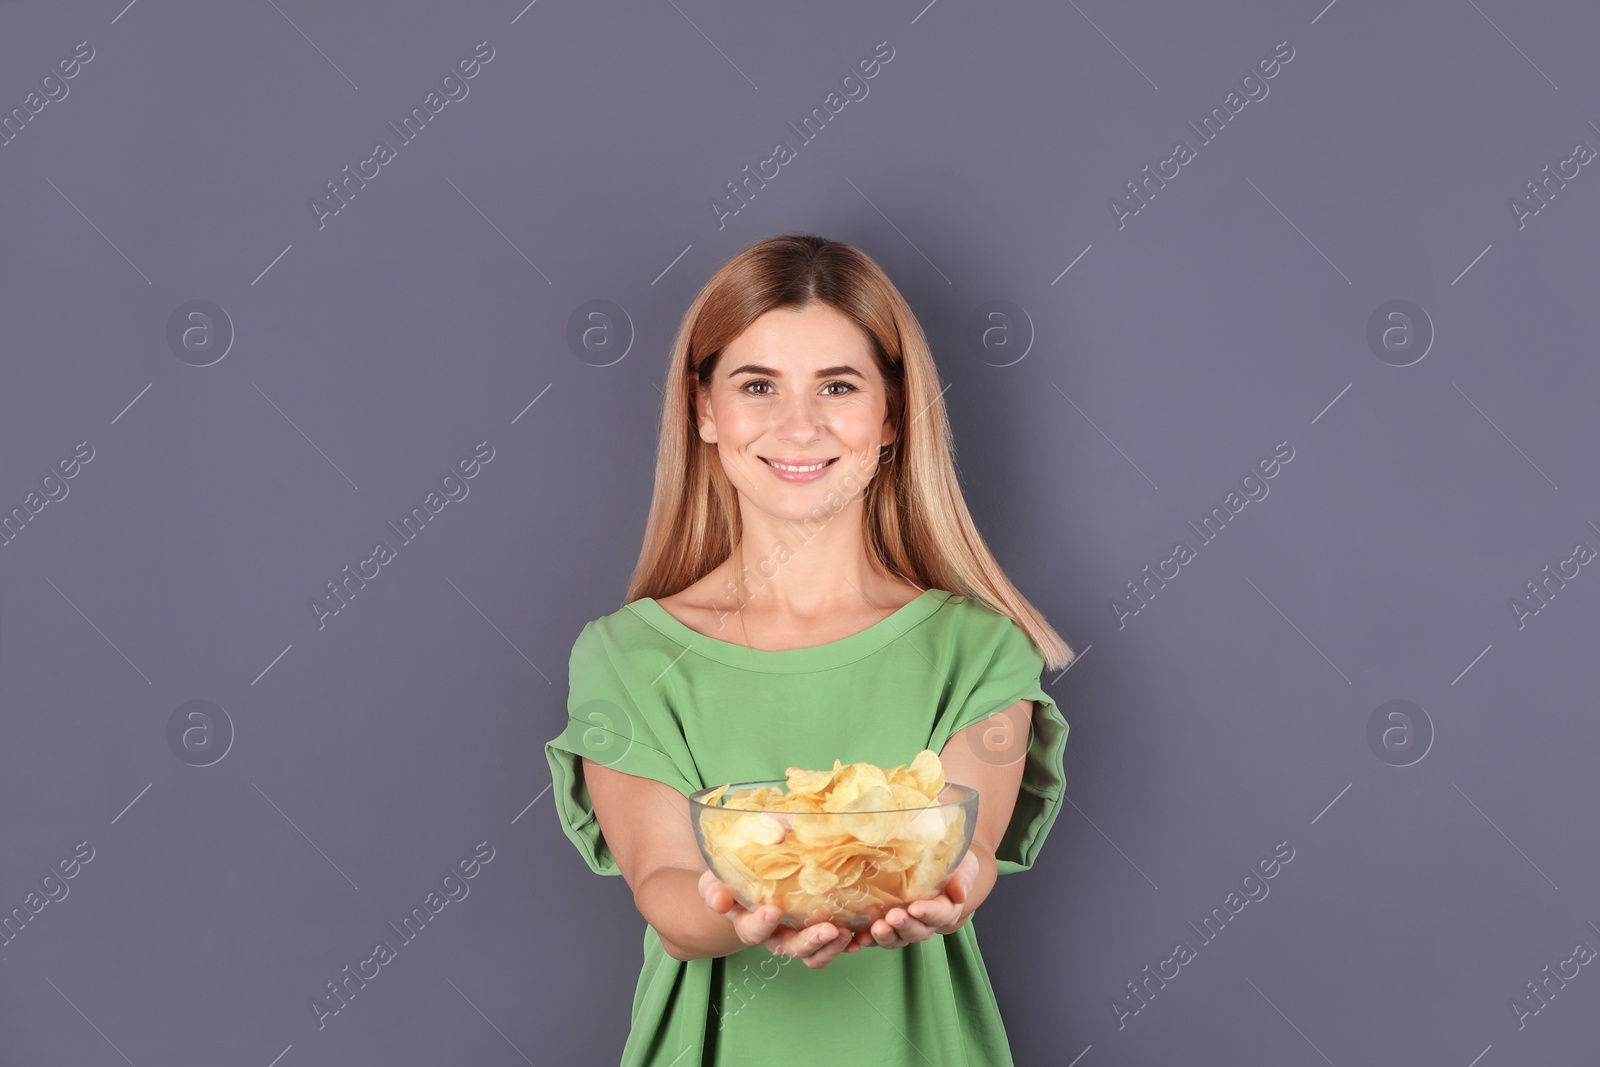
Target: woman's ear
{"points": [[700, 409]]}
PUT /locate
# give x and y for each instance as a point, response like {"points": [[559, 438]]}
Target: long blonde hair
{"points": [[918, 526]]}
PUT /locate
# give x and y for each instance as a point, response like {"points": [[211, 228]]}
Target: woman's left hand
{"points": [[921, 919]]}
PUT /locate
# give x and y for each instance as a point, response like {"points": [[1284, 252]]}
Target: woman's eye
{"points": [[847, 388]]}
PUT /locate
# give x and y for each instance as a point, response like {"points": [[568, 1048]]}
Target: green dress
{"points": [[651, 697]]}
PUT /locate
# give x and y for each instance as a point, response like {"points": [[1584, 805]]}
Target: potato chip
{"points": [[817, 879], [800, 780], [902, 775], [772, 866], [929, 772], [873, 798], [906, 796], [928, 826], [820, 830]]}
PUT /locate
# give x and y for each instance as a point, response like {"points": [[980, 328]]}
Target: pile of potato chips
{"points": [[843, 845]]}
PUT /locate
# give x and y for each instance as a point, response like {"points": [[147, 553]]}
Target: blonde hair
{"points": [[918, 526]]}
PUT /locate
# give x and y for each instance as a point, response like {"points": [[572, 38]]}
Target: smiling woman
{"points": [[804, 427]]}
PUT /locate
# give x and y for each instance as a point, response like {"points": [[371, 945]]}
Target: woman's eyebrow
{"points": [[825, 372]]}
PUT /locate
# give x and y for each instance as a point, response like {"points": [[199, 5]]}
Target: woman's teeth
{"points": [[798, 470]]}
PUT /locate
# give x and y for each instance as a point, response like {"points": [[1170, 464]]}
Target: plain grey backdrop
{"points": [[227, 377]]}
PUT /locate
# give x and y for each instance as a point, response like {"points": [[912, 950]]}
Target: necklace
{"points": [[740, 609]]}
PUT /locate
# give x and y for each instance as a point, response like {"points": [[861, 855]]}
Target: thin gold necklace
{"points": [[740, 609]]}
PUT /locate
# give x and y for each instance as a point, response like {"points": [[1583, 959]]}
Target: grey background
{"points": [[370, 754]]}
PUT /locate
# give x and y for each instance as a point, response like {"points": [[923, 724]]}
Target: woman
{"points": [[811, 588]]}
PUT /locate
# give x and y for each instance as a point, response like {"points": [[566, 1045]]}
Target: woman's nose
{"points": [[799, 420]]}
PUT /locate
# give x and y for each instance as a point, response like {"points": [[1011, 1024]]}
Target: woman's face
{"points": [[797, 387]]}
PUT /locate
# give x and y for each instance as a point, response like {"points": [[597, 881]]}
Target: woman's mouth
{"points": [[799, 472]]}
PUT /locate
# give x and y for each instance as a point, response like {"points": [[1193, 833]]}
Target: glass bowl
{"points": [[846, 867]]}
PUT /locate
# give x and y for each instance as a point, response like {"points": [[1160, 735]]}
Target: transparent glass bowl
{"points": [[847, 867]]}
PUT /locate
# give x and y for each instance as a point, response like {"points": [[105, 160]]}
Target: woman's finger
{"points": [[945, 910], [886, 936], [753, 927], [937, 911], [819, 943], [805, 942], [885, 933], [910, 928], [756, 927], [900, 926], [716, 895], [959, 884], [829, 951]]}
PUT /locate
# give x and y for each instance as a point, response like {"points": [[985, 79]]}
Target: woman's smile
{"points": [[798, 470]]}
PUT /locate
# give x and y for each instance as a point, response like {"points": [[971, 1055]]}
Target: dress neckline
{"points": [[791, 660]]}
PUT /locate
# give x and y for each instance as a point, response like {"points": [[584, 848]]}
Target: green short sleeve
{"points": [[1011, 672], [613, 724]]}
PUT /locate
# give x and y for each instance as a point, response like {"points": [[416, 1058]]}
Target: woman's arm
{"points": [[989, 756], [646, 825]]}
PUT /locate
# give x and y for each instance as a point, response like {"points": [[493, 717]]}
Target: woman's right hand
{"points": [[816, 945]]}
